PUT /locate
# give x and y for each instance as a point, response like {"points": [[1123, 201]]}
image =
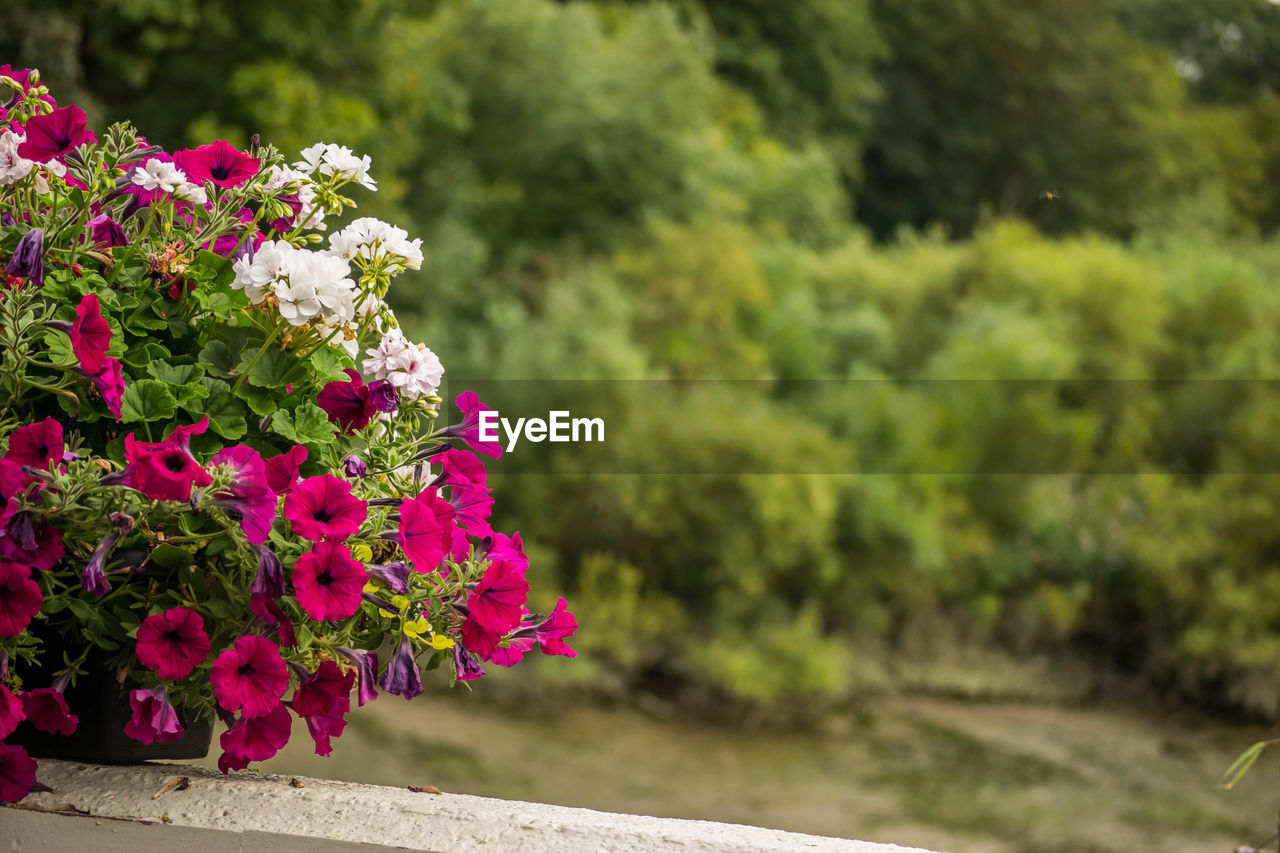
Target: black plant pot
{"points": [[103, 708]]}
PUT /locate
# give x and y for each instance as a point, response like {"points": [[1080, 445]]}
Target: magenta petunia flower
{"points": [[90, 335], [426, 529], [512, 653], [20, 599], [38, 445], [154, 720], [219, 162], [17, 773], [110, 384], [552, 632], [250, 499], [46, 709], [173, 643], [508, 548], [323, 700], [366, 666], [255, 738], [13, 486], [471, 508], [164, 470], [469, 430], [250, 676], [282, 470], [55, 134], [40, 549], [497, 601], [11, 712], [327, 581], [323, 508], [349, 404], [479, 640], [401, 676], [459, 468], [269, 613]]}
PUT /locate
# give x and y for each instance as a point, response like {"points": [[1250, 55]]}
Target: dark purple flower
{"points": [[106, 233], [269, 581], [384, 395], [366, 664], [402, 676], [394, 575], [349, 404], [93, 578], [354, 466], [28, 257], [465, 665]]}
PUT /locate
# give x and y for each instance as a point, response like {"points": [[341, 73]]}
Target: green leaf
{"points": [[261, 400], [183, 380], [143, 353], [329, 363], [147, 400], [1241, 765], [270, 371], [146, 317], [226, 414], [171, 557], [218, 359], [217, 268], [307, 424]]}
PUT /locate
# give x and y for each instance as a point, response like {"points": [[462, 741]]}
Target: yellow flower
{"points": [[362, 552]]}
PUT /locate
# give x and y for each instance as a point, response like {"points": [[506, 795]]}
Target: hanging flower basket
{"points": [[225, 487]]}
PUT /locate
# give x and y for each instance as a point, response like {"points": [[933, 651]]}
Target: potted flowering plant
{"points": [[224, 485]]}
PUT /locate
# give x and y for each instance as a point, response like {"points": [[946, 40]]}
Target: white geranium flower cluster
{"points": [[379, 244], [412, 369], [338, 161], [307, 285], [166, 177]]}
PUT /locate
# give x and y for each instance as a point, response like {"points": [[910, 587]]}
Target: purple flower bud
{"points": [[402, 676], [270, 578], [28, 257], [354, 467], [384, 396], [466, 665], [394, 575], [366, 664]]}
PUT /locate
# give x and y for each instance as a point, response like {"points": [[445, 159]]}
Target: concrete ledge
{"points": [[107, 809]]}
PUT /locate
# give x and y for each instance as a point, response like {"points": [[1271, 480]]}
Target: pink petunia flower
{"points": [[469, 430], [282, 470], [110, 384], [508, 548], [17, 773], [472, 506], [250, 676], [323, 508], [269, 614], [459, 468], [250, 499], [327, 581], [39, 548], [163, 470], [426, 529], [55, 134], [105, 232], [497, 601], [552, 632], [173, 643], [219, 162], [154, 720], [38, 445], [11, 712], [90, 335], [20, 599], [323, 700], [349, 404], [255, 738], [46, 708]]}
